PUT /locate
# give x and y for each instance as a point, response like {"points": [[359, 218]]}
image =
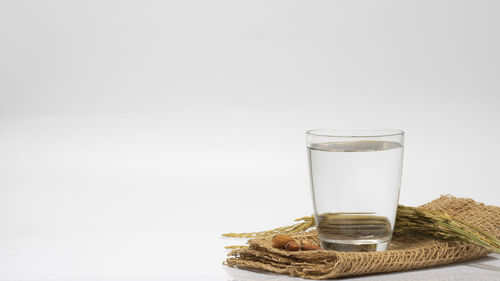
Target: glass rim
{"points": [[350, 133]]}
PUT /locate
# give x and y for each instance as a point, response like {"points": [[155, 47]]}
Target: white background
{"points": [[133, 133]]}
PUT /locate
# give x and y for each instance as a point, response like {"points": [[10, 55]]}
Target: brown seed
{"points": [[279, 240], [292, 246], [308, 246]]}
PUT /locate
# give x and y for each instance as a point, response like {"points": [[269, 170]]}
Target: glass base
{"points": [[354, 245]]}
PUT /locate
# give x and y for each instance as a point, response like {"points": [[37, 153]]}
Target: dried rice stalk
{"points": [[409, 220], [307, 222]]}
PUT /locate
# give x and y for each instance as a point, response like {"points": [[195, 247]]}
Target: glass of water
{"points": [[355, 180]]}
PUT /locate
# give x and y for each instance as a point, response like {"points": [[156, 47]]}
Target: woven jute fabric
{"points": [[405, 252]]}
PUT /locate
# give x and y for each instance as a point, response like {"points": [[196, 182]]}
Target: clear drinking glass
{"points": [[355, 180]]}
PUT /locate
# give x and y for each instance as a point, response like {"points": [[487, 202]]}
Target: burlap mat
{"points": [[405, 252]]}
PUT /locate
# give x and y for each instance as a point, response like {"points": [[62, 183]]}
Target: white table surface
{"points": [[177, 255]]}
